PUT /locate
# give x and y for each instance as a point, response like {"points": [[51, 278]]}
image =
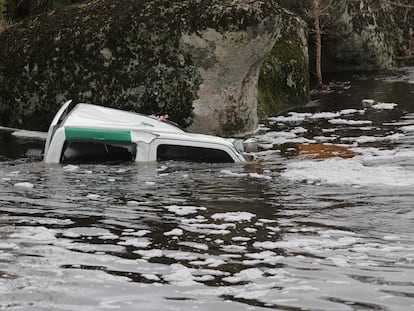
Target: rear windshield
{"points": [[192, 154], [96, 151]]}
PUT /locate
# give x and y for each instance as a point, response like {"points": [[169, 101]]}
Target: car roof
{"points": [[88, 115], [99, 117]]}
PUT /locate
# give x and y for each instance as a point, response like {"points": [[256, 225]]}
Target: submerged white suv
{"points": [[91, 133]]}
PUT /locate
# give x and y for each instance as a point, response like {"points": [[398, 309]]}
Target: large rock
{"points": [[359, 34], [365, 35], [284, 76], [197, 60]]}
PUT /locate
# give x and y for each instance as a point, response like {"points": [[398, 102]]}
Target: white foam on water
{"points": [[267, 257], [314, 244], [250, 230], [5, 128], [384, 106], [151, 253], [151, 277], [204, 278], [108, 236], [86, 232], [252, 175], [292, 118], [261, 255], [269, 139], [180, 275], [174, 232], [209, 262], [299, 130], [349, 122], [206, 271], [302, 288], [348, 172], [295, 117], [70, 168], [408, 128], [26, 185], [136, 242], [122, 170], [250, 274], [325, 138], [371, 139], [139, 233], [208, 228], [183, 210], [30, 134], [36, 234], [372, 154], [70, 234], [260, 176], [325, 115], [8, 245], [391, 237], [132, 202], [93, 196], [181, 255], [233, 248], [351, 111], [339, 261], [368, 101], [230, 173], [233, 216]]}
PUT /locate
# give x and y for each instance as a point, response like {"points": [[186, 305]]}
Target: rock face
{"points": [[284, 76], [197, 60], [229, 67], [361, 34], [366, 36]]}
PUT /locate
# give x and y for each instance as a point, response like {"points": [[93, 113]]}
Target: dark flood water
{"points": [[288, 232]]}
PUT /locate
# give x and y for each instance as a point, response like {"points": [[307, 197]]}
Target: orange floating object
{"points": [[323, 151]]}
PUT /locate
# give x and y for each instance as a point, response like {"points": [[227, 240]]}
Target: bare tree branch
{"points": [[399, 4]]}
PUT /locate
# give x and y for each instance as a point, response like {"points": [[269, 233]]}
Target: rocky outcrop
{"points": [[228, 65], [197, 60], [365, 36], [360, 34], [284, 76]]}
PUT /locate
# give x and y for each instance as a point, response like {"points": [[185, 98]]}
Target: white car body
{"points": [[88, 129]]}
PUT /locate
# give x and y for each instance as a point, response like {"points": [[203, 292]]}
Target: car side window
{"points": [[166, 152], [97, 151]]}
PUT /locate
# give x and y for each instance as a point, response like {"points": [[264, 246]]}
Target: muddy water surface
{"points": [[292, 231]]}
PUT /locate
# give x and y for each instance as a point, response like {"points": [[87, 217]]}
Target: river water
{"points": [[300, 228]]}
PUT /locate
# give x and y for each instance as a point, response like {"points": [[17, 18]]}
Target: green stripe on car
{"points": [[99, 134]]}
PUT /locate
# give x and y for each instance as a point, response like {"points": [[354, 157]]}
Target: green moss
{"points": [[284, 78], [2, 15]]}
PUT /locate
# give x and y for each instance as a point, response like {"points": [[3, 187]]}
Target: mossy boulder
{"points": [[358, 34], [284, 76], [196, 60], [365, 35]]}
